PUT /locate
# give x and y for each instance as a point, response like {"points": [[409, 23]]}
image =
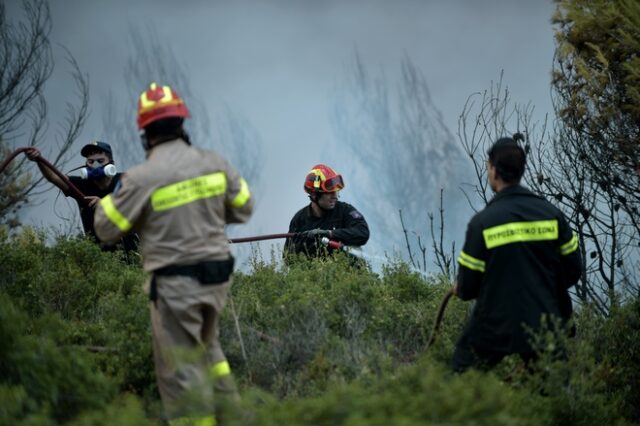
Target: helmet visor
{"points": [[334, 184]]}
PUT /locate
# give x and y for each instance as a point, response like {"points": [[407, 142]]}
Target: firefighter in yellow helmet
{"points": [[180, 200], [325, 216]]}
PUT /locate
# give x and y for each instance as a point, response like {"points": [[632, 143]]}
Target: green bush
{"points": [[419, 394], [75, 327], [608, 351], [324, 318], [124, 410], [43, 375], [315, 342]]}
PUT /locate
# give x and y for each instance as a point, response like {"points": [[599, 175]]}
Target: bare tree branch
{"points": [[26, 63]]}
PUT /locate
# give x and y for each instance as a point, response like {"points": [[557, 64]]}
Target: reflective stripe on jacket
{"points": [[179, 200], [518, 260]]}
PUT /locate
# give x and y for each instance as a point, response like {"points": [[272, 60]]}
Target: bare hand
{"points": [[32, 153], [92, 201]]}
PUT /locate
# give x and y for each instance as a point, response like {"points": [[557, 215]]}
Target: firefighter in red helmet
{"points": [[180, 200], [325, 216]]}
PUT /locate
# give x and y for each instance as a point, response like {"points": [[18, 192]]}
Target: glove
{"points": [[316, 233]]}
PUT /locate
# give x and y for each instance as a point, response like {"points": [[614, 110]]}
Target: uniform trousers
{"points": [[191, 369]]}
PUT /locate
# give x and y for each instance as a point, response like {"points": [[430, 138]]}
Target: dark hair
{"points": [[509, 158], [166, 129]]}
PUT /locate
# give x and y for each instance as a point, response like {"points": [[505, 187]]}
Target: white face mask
{"points": [[95, 173]]}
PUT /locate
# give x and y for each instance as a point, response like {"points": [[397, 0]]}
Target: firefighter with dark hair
{"points": [[325, 216], [180, 200], [519, 259]]}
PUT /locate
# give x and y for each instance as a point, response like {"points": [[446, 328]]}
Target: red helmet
{"points": [[159, 102], [322, 178]]}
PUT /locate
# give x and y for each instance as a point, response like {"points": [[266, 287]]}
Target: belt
{"points": [[209, 272]]}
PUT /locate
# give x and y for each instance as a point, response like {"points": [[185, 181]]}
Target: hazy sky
{"points": [[278, 62]]}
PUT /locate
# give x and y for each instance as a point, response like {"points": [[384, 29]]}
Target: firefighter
{"points": [[180, 200], [325, 216], [518, 261], [98, 178]]}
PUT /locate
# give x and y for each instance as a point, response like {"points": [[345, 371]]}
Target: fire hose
{"points": [[438, 319], [336, 245], [261, 238], [75, 192]]}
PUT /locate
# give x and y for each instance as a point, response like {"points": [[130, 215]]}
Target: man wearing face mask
{"points": [[97, 179], [325, 216]]}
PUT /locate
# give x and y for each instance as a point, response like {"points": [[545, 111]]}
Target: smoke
{"points": [[277, 63]]}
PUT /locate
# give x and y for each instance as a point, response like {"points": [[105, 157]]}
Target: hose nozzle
{"points": [[337, 245]]}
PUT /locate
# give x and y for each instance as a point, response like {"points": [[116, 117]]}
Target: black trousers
{"points": [[467, 356]]}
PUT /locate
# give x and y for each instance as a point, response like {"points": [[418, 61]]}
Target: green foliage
{"points": [[125, 410], [575, 390], [600, 40], [619, 348], [324, 343], [40, 372], [612, 345], [423, 393], [13, 186], [317, 322], [74, 327], [597, 78]]}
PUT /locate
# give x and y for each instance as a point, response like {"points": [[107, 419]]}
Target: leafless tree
{"points": [[150, 60], [402, 148], [26, 63]]}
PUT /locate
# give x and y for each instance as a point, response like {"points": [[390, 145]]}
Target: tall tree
{"points": [[26, 63], [596, 79]]}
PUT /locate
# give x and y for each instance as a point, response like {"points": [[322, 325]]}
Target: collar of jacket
{"points": [[166, 146], [326, 213], [511, 190]]}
